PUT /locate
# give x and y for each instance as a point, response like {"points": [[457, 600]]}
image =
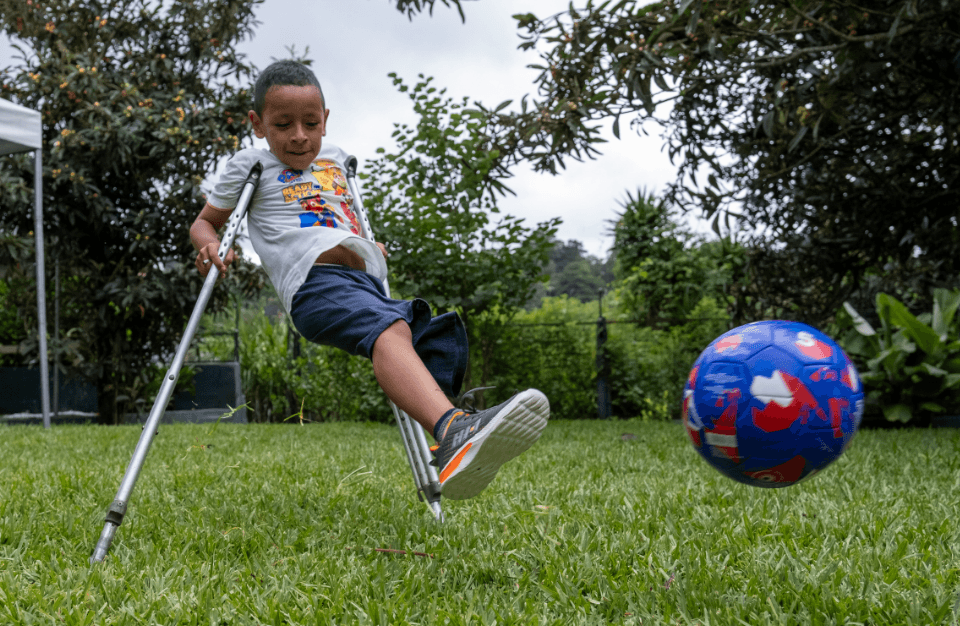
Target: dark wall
{"points": [[20, 392], [214, 386]]}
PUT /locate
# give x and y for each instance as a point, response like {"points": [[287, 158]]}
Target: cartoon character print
{"points": [[317, 213], [330, 177], [288, 175], [352, 217]]}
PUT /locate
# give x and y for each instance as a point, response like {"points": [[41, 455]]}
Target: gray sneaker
{"points": [[475, 445]]}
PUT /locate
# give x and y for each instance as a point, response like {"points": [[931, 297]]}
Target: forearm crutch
{"points": [[414, 441], [119, 506]]}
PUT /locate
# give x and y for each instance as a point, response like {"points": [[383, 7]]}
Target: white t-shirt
{"points": [[296, 215]]}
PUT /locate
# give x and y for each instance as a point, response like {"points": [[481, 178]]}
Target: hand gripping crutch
{"points": [[119, 506], [414, 441]]}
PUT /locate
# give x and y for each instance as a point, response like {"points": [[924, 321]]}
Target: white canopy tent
{"points": [[21, 131]]}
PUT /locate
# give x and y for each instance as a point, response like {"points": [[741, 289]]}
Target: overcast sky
{"points": [[355, 44]]}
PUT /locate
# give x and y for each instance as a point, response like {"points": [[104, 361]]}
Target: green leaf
{"points": [[659, 80], [897, 413], [683, 6], [924, 336], [796, 140], [945, 304], [767, 123], [902, 343], [927, 368], [860, 324]]}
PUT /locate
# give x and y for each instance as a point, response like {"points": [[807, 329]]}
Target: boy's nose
{"points": [[300, 133]]}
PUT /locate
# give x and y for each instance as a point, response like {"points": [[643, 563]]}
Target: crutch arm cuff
{"points": [[254, 175]]}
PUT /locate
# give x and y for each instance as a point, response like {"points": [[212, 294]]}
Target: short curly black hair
{"points": [[283, 73]]}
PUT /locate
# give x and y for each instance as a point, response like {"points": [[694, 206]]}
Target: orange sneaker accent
{"points": [[454, 463], [450, 421]]}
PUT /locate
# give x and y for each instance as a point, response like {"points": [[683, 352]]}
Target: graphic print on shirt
{"points": [[299, 191], [329, 176], [318, 213], [288, 174], [331, 179]]}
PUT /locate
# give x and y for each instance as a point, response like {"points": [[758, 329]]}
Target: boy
{"points": [[330, 281]]}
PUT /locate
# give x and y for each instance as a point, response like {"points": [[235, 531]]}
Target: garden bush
{"points": [[322, 384], [649, 366], [553, 349], [910, 367]]}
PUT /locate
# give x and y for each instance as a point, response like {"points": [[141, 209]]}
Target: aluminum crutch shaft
{"points": [[411, 434], [119, 506]]}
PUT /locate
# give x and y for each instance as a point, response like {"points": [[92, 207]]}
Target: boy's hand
{"points": [[383, 249], [208, 257], [203, 236]]}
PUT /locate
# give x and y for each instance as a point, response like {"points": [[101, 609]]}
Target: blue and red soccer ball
{"points": [[771, 403]]}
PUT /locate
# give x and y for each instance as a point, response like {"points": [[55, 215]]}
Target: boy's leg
{"points": [[472, 447], [405, 379]]}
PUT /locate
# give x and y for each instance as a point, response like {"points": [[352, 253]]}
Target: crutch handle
{"points": [[233, 224], [351, 165]]}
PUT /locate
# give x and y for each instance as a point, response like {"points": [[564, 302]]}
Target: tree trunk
{"points": [[107, 398]]}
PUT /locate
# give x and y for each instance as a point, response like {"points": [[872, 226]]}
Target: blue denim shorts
{"points": [[347, 308]]}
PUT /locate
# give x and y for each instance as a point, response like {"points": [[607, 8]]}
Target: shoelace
{"points": [[465, 401]]}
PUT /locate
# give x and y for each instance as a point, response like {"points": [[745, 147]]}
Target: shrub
{"points": [[322, 384], [911, 367], [649, 366], [553, 349], [12, 331]]}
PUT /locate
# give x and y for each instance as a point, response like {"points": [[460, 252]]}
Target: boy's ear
{"points": [[258, 128]]}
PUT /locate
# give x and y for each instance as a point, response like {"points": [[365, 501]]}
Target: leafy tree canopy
{"points": [[412, 7], [433, 201], [139, 100], [665, 270], [575, 273], [829, 128]]}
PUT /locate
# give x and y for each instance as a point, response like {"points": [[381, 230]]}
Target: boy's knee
{"points": [[395, 334], [400, 330]]}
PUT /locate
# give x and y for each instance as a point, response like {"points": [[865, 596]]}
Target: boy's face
{"points": [[294, 123]]}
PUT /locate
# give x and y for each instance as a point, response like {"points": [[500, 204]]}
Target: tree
{"points": [[412, 7], [575, 273], [829, 129], [434, 203], [139, 100], [665, 270]]}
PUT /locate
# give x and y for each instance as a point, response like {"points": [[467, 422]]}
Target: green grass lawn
{"points": [[283, 524]]}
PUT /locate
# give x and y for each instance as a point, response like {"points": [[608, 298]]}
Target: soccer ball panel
{"points": [[740, 343]]}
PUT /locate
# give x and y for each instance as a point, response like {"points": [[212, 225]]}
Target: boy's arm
{"points": [[203, 235]]}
